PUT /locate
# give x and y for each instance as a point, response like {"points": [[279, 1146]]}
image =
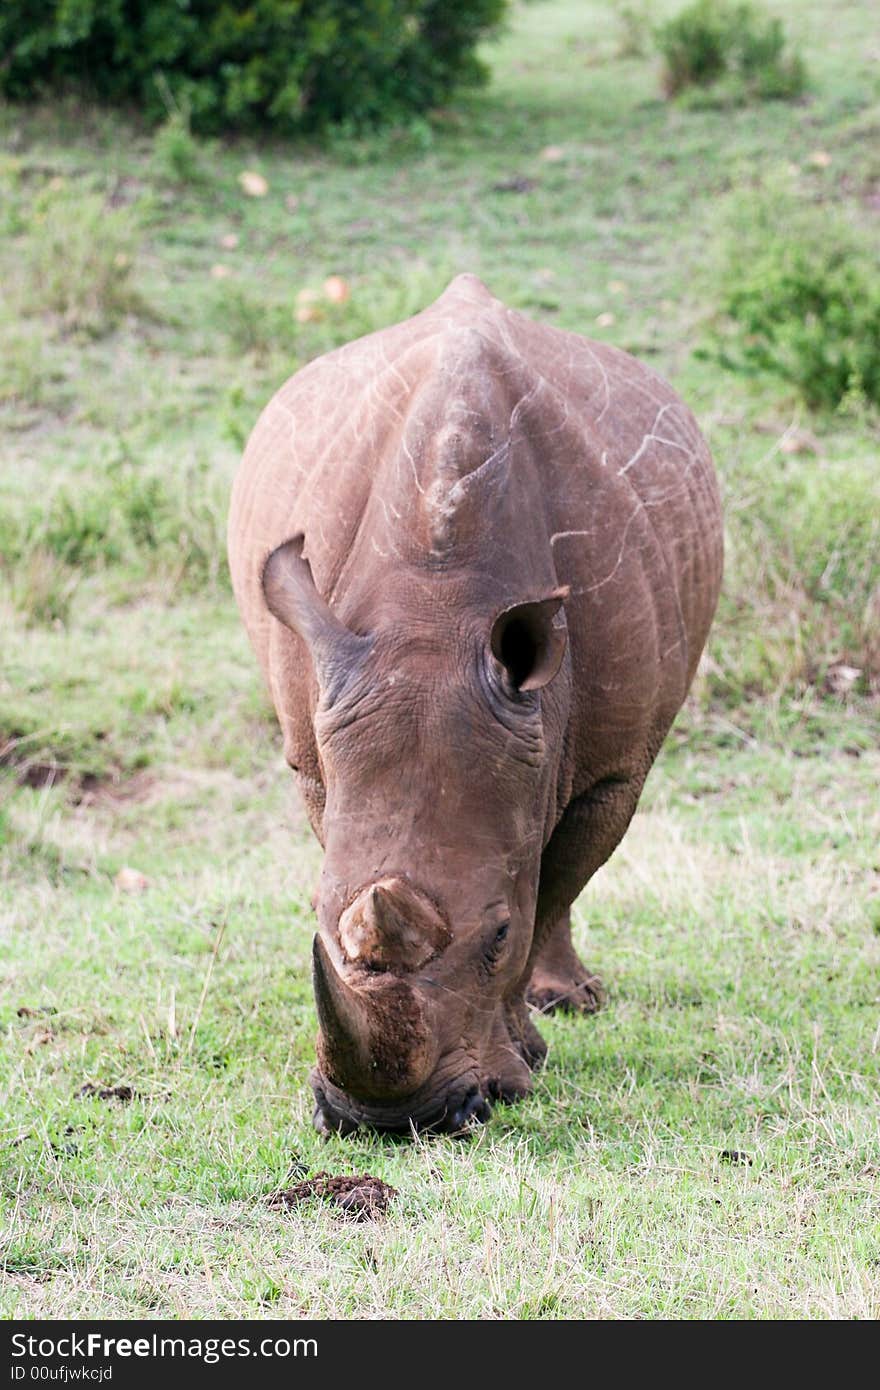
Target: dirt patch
{"points": [[114, 788], [360, 1197], [39, 775], [84, 788], [121, 1093], [518, 184], [149, 788], [29, 771]]}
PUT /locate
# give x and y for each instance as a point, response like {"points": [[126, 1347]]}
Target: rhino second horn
{"points": [[390, 926]]}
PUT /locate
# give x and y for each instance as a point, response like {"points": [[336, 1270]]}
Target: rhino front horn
{"points": [[374, 1041]]}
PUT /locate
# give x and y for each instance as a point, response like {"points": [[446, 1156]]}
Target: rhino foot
{"points": [[578, 995], [560, 980]]}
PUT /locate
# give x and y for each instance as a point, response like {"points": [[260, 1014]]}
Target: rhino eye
{"points": [[496, 944]]}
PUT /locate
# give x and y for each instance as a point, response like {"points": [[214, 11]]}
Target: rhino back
{"points": [[471, 445]]}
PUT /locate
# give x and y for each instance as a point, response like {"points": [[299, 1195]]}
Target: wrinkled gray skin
{"points": [[478, 559]]}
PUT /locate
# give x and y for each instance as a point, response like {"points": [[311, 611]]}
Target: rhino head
{"points": [[439, 736]]}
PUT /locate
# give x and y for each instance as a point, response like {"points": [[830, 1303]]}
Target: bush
{"points": [[802, 571], [295, 65], [131, 520], [732, 49], [176, 153], [28, 377], [77, 261], [311, 323], [635, 24], [799, 297]]}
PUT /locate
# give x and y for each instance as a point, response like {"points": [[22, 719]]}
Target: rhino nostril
{"points": [[473, 1107], [327, 1122]]}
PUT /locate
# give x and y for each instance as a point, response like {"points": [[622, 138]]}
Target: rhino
{"points": [[477, 558]]}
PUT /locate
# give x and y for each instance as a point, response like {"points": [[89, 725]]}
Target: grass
{"points": [[738, 927], [741, 955]]}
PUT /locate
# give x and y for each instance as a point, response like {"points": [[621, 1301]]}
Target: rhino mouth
{"points": [[464, 1106]]}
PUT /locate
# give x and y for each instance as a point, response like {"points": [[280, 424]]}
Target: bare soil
{"points": [[121, 1093]]}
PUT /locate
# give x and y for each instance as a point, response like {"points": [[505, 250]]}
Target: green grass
{"points": [[737, 928], [741, 955]]}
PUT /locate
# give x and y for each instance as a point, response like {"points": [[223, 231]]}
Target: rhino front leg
{"points": [[591, 827], [560, 980]]}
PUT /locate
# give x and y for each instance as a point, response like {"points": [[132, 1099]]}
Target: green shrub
{"points": [[42, 587], [799, 297], [77, 261], [12, 195], [177, 156], [263, 325], [291, 64], [138, 523], [635, 22], [28, 377], [802, 572], [252, 324], [731, 49]]}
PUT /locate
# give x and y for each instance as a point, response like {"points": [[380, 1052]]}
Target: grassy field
{"points": [[705, 1147]]}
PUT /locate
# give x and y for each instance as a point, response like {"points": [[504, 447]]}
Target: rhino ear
{"points": [[529, 640], [290, 594]]}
